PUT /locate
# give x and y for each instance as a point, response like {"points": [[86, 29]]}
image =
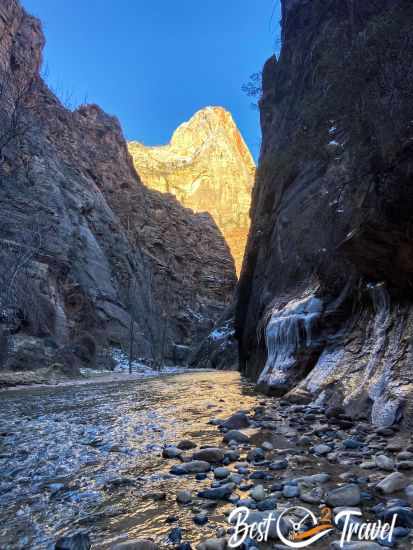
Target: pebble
{"points": [[210, 454], [291, 491], [221, 473], [218, 493], [347, 495], [200, 519], [186, 445], [236, 421], [184, 497], [321, 450], [385, 463], [137, 544], [258, 492], [171, 452], [279, 464], [213, 544], [392, 483], [236, 435]]}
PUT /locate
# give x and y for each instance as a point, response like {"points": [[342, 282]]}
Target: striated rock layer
{"points": [[324, 308], [89, 255], [208, 167]]}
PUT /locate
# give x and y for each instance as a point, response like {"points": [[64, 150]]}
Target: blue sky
{"points": [[154, 63]]}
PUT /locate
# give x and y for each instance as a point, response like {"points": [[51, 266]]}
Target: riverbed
{"points": [[89, 456]]}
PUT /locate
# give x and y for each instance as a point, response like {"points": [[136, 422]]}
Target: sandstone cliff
{"points": [[86, 248], [208, 167], [325, 305]]}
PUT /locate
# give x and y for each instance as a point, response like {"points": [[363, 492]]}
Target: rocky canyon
{"points": [[91, 259], [324, 308], [208, 167]]}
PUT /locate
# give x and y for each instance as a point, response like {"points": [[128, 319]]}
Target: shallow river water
{"points": [[89, 456]]}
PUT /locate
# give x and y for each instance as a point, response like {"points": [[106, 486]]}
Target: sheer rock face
{"points": [[208, 167], [95, 246], [324, 308]]}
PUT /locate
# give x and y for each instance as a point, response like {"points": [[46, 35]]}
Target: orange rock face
{"points": [[209, 168]]}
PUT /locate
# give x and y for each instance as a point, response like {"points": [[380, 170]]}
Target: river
{"points": [[89, 456]]}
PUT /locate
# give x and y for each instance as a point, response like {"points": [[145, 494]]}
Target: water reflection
{"points": [[89, 456]]}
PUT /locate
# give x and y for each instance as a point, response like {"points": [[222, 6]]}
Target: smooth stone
{"points": [[279, 464], [392, 483], [221, 473], [137, 544], [267, 504], [213, 544], [352, 443], [236, 435], [76, 541], [291, 491], [321, 450], [231, 456], [385, 463], [236, 478], [409, 493], [184, 546], [312, 496], [267, 446], [404, 515], [200, 519], [347, 495], [322, 477], [184, 497], [175, 535], [210, 454], [258, 493], [171, 452], [256, 455], [186, 445], [218, 493], [236, 421]]}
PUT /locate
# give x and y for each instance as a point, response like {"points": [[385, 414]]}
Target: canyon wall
{"points": [[324, 309], [208, 167], [90, 257]]}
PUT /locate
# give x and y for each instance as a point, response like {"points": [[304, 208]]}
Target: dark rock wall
{"points": [[324, 304], [84, 245]]}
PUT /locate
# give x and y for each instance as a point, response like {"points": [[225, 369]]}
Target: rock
{"points": [[138, 544], [214, 455], [291, 491], [186, 445], [267, 504], [352, 443], [279, 464], [267, 446], [184, 497], [213, 544], [311, 496], [392, 483], [404, 515], [175, 535], [200, 519], [216, 176], [237, 421], [347, 495], [171, 452], [322, 450], [409, 493], [385, 463], [255, 455], [76, 541], [192, 467], [236, 435], [258, 492], [221, 473], [218, 493]]}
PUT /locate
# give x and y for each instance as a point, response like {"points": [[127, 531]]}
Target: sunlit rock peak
{"points": [[209, 168]]}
